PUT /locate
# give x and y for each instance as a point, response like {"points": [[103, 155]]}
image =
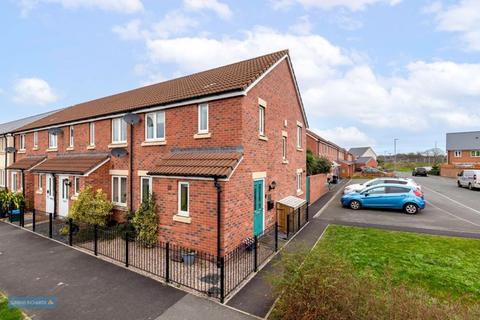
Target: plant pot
{"points": [[188, 258]]}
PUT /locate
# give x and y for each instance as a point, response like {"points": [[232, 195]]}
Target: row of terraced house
{"points": [[217, 149]]}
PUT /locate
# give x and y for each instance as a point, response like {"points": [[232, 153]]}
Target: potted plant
{"points": [[188, 257]]}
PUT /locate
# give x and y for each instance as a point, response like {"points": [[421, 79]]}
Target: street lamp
{"points": [[395, 154]]}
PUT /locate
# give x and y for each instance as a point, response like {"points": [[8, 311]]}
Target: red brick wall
{"points": [[312, 145], [465, 158], [318, 186]]}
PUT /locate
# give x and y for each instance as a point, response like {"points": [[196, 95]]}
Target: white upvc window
{"points": [[457, 153], [40, 182], [299, 181], [299, 137], [183, 199], [475, 153], [14, 181], [261, 120], [145, 188], [2, 144], [119, 131], [155, 126], [203, 118], [22, 142], [119, 190], [91, 131], [284, 148], [72, 139], [52, 141], [2, 178], [76, 185], [35, 139]]}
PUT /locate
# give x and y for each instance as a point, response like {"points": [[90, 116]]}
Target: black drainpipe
{"points": [[6, 160], [219, 216], [131, 167], [54, 194], [23, 182]]}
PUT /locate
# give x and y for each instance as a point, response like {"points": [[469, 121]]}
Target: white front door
{"points": [[64, 186], [50, 200]]}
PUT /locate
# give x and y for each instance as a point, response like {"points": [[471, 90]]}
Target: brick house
{"points": [[364, 157], [217, 148], [463, 151]]}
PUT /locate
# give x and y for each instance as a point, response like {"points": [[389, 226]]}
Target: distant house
{"points": [[463, 151], [364, 157]]}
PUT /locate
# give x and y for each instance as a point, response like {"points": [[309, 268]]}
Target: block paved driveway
{"points": [[90, 288], [450, 210]]}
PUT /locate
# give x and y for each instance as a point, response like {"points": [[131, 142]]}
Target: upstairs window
{"points": [[119, 131], [299, 137], [203, 118], [71, 142], [476, 153], [22, 142], [284, 148], [91, 138], [457, 153], [261, 120], [52, 141], [35, 139], [155, 126]]}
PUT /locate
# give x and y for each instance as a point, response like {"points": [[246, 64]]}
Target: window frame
{"points": [[91, 134], [284, 148], [199, 110], [119, 191], [457, 153], [261, 120], [299, 137], [22, 142], [40, 182], [2, 178], [14, 177], [71, 140], [150, 182], [50, 144], [180, 212], [76, 191], [35, 139], [154, 119], [122, 124], [299, 181], [475, 153]]}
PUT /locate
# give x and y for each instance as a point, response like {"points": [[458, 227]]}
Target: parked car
{"points": [[371, 170], [360, 186], [469, 179], [420, 171], [386, 196]]}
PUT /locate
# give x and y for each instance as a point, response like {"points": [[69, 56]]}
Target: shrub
{"points": [[317, 165], [326, 287], [435, 171], [91, 207], [145, 221]]}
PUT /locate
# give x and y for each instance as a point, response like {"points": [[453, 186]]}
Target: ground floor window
{"points": [[145, 188], [2, 178], [76, 185], [299, 181], [119, 190], [40, 182], [183, 199], [14, 182]]}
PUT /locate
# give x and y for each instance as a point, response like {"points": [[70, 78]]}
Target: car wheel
{"points": [[470, 187], [411, 208], [459, 184], [355, 205]]}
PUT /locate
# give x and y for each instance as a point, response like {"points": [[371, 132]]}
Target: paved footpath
{"points": [[257, 296], [89, 288]]}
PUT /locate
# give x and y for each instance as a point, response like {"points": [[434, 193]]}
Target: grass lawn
{"points": [[7, 313], [443, 266]]}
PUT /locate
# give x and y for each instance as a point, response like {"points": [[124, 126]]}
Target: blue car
{"points": [[386, 196]]}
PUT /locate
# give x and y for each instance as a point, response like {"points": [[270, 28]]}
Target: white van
{"points": [[469, 178]]}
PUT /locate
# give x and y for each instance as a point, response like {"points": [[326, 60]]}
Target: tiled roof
{"points": [[75, 164], [198, 164], [13, 125], [26, 163], [358, 151], [233, 77], [364, 159]]}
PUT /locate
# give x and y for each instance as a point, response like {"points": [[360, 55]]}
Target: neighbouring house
{"points": [[7, 154], [347, 164], [463, 152], [364, 157], [217, 148]]}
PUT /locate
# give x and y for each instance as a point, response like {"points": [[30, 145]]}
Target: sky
{"points": [[369, 71]]}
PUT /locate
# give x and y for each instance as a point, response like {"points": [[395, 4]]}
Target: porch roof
{"points": [[292, 202], [198, 163], [26, 163], [75, 164]]}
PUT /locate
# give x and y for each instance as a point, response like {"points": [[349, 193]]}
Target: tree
{"points": [[91, 207], [145, 221], [317, 165], [311, 163], [323, 165]]}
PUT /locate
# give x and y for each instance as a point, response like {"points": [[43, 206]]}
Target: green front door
{"points": [[257, 207]]}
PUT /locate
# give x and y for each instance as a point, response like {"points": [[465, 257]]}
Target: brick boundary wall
{"points": [[318, 186], [451, 171]]}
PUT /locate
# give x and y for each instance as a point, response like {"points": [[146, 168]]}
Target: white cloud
{"points": [[33, 91], [121, 6], [462, 18], [303, 26], [220, 8], [346, 136], [353, 5], [130, 31]]}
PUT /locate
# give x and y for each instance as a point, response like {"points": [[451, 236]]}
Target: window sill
{"points": [[202, 135], [74, 197], [91, 147], [22, 151], [35, 149], [153, 143], [300, 149], [299, 192], [52, 150], [182, 219], [39, 192], [70, 149], [120, 207], [264, 138], [117, 145], [285, 162]]}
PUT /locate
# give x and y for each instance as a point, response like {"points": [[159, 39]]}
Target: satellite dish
{"points": [[119, 152], [131, 118], [55, 131], [10, 149]]}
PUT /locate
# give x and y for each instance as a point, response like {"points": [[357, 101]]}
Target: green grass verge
{"points": [[444, 266], [7, 313]]}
